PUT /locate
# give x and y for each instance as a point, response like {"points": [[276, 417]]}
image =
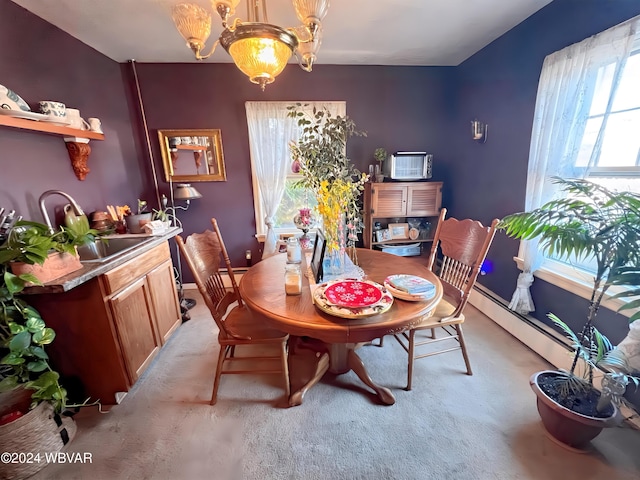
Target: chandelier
{"points": [[259, 49]]}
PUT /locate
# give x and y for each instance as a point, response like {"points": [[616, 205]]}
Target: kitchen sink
{"points": [[104, 249]]}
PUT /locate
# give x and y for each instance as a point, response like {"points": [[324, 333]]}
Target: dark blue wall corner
{"points": [[498, 86]]}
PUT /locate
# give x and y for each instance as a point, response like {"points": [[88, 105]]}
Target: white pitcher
{"points": [[75, 120], [95, 125]]}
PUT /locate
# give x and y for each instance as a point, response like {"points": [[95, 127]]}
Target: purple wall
{"points": [[401, 108], [498, 85], [44, 65]]}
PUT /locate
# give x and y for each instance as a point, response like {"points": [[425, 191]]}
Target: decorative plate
{"points": [[382, 306], [352, 294], [10, 100], [410, 287], [22, 114], [407, 296], [62, 121]]}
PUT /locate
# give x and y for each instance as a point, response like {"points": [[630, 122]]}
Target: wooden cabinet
{"points": [[165, 306], [133, 318], [396, 202], [109, 329]]}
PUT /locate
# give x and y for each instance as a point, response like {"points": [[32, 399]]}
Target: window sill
{"points": [[576, 283], [285, 232]]}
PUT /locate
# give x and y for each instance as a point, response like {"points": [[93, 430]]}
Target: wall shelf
{"points": [[49, 128], [76, 141], [193, 148]]}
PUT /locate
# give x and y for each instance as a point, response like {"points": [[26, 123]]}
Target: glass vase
{"points": [[335, 231]]}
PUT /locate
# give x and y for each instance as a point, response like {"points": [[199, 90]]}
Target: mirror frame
{"points": [[216, 137]]}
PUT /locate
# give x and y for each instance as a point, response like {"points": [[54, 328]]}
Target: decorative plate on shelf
{"points": [[53, 120], [326, 305], [10, 100], [22, 114]]}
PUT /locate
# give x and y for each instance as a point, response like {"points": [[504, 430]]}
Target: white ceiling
{"points": [[356, 32]]}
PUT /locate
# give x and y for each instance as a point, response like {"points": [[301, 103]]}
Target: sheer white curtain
{"points": [[567, 84], [270, 131]]}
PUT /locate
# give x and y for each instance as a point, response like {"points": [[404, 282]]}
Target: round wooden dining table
{"points": [[333, 339]]}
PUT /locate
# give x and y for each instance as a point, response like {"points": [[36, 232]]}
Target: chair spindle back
{"points": [[463, 245], [204, 253]]}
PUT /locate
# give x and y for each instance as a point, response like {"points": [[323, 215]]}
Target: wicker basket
{"points": [[40, 431]]}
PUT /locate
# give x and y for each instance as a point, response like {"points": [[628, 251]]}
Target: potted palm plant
{"points": [[588, 222]]}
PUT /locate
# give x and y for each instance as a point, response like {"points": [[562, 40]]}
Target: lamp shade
{"points": [[194, 24], [185, 191], [259, 50]]}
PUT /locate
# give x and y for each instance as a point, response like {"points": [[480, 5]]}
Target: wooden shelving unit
{"points": [[395, 202]]}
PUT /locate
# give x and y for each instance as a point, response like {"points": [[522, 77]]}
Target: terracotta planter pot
{"points": [[55, 266], [564, 425]]}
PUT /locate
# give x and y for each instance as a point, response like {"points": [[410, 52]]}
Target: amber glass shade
{"points": [[193, 22], [261, 59]]}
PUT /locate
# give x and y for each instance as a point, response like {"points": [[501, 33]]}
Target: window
{"points": [[293, 199], [586, 125], [270, 131]]}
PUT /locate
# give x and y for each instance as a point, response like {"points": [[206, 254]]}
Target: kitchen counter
{"points": [[93, 269], [111, 317]]}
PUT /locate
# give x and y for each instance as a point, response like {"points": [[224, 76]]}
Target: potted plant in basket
{"points": [[590, 221], [31, 396]]}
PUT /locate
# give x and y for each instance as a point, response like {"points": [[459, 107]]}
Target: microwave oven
{"points": [[408, 166]]}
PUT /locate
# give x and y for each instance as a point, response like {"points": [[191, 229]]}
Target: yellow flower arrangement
{"points": [[320, 157]]}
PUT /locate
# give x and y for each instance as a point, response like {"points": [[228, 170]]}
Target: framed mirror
{"points": [[192, 155]]}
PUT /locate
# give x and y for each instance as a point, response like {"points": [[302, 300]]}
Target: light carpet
{"points": [[450, 426]]}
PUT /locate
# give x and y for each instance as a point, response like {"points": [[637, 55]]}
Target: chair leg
{"points": [[216, 381], [433, 333], [463, 346], [285, 368], [411, 353], [233, 351], [381, 342]]}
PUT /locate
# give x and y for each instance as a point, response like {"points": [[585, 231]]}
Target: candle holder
{"points": [[305, 221]]}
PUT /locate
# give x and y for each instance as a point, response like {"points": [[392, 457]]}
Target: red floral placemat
{"points": [[352, 294]]}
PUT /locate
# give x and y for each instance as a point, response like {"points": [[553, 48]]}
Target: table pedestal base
{"points": [[309, 360]]}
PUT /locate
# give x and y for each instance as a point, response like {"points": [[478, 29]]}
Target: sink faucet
{"points": [[76, 208]]}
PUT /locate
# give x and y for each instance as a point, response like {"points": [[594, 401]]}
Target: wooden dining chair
{"points": [[463, 246], [204, 253]]}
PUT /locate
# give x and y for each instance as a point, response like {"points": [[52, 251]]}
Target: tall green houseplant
{"points": [[322, 157], [588, 222]]}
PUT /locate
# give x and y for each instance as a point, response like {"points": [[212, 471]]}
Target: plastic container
{"points": [[294, 251], [293, 279]]}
